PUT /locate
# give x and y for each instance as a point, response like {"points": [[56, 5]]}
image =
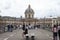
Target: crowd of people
{"points": [[55, 29], [25, 28], [56, 32], [11, 27]]}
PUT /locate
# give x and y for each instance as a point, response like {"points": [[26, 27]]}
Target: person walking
{"points": [[26, 31], [23, 28], [8, 28], [11, 27], [54, 29], [59, 31]]}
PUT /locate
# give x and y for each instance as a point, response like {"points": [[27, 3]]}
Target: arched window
{"points": [[32, 16], [26, 16]]}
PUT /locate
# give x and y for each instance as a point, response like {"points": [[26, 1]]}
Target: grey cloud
{"points": [[18, 7]]}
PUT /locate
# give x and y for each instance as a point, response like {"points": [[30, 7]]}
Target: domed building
{"points": [[29, 19], [29, 13], [29, 16]]}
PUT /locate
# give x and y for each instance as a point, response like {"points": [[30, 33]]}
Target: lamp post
{"points": [[44, 23], [23, 21]]}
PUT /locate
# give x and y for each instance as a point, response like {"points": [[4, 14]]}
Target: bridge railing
{"points": [[47, 28]]}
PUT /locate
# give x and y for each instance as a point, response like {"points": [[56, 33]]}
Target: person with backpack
{"points": [[26, 31], [23, 28], [54, 29], [59, 31]]}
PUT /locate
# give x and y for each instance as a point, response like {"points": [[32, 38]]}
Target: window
{"points": [[29, 15], [26, 16]]}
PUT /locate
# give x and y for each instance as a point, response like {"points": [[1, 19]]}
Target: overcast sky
{"points": [[16, 8]]}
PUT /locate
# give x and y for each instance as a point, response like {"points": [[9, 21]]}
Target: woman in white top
{"points": [[59, 31], [54, 29]]}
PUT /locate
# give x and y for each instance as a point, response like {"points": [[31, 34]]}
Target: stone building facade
{"points": [[29, 19]]}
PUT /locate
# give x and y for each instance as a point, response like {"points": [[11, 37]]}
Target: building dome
{"points": [[29, 10]]}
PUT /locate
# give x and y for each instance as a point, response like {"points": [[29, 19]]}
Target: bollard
{"points": [[27, 37], [32, 37]]}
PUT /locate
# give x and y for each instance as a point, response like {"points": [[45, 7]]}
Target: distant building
{"points": [[28, 20]]}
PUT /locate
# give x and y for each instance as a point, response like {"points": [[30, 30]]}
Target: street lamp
{"points": [[44, 23]]}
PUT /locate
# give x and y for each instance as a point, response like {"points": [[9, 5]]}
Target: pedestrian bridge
{"points": [[40, 34]]}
